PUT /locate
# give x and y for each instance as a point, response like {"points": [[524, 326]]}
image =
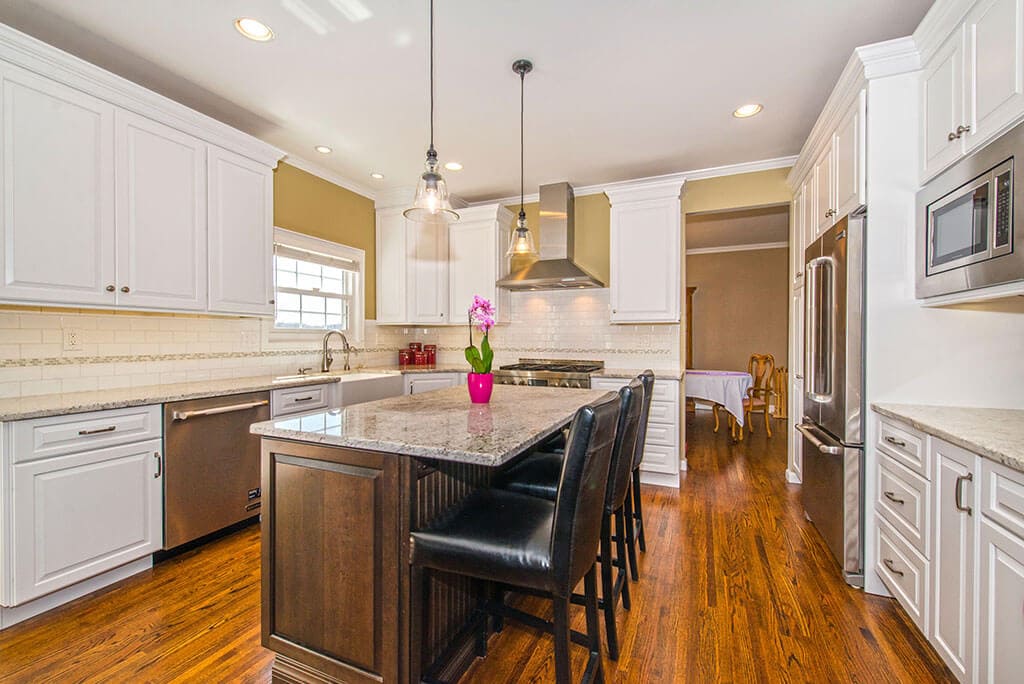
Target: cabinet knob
{"points": [[110, 288], [952, 136], [270, 301], [958, 133], [126, 289]]}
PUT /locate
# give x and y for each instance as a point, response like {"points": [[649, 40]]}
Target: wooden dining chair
{"points": [[762, 371]]}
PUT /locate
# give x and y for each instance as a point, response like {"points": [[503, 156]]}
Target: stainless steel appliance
{"points": [[548, 373], [966, 219], [212, 464], [833, 446]]}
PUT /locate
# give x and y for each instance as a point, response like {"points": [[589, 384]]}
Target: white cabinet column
{"points": [[476, 260], [646, 226]]}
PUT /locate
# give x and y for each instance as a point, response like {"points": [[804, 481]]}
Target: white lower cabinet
{"points": [[417, 383], [661, 452], [78, 515], [964, 587]]}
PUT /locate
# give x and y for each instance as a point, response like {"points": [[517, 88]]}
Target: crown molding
{"points": [[36, 56], [330, 176], [738, 248], [938, 23], [672, 178], [878, 60]]}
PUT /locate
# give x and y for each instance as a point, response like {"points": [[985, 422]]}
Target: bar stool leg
{"points": [[620, 557], [608, 588], [563, 666], [593, 630], [631, 536], [638, 511]]}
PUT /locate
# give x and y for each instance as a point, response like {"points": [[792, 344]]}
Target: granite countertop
{"points": [[442, 425], [668, 374], [997, 434]]}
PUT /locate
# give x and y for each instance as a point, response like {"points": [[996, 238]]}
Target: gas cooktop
{"points": [[548, 373]]}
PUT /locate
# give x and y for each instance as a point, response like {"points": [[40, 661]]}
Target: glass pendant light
{"points": [[522, 239], [431, 202]]}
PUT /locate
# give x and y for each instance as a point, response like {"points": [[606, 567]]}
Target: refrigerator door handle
{"points": [[810, 327], [807, 430]]}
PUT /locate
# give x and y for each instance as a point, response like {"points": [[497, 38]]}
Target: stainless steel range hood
{"points": [[556, 269]]}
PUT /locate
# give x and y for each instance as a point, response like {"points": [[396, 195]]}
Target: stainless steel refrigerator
{"points": [[833, 402]]}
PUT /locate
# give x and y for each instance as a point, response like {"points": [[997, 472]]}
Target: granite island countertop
{"points": [[996, 434], [442, 425]]}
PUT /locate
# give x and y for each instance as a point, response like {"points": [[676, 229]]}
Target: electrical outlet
{"points": [[249, 339], [72, 339]]}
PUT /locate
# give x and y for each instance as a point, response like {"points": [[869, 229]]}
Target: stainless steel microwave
{"points": [[970, 225]]}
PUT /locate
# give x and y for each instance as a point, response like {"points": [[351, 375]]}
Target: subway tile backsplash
{"points": [[123, 349]]}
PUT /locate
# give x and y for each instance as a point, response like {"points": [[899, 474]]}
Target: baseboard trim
{"points": [[15, 614], [792, 477], [659, 479]]}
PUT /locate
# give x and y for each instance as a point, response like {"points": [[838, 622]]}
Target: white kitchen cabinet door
{"points": [[848, 145], [953, 556], [240, 231], [392, 265], [83, 514], [428, 272], [942, 106], [1000, 605], [993, 68], [161, 215], [824, 206], [796, 240], [476, 260], [58, 192], [809, 223], [645, 256]]}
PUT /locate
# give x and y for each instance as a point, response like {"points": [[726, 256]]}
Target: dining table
{"points": [[723, 388]]}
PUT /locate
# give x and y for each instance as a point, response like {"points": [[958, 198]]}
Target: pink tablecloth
{"points": [[727, 388]]}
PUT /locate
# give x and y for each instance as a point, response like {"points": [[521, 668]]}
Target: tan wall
{"points": [[757, 189], [593, 232], [308, 204], [740, 307]]}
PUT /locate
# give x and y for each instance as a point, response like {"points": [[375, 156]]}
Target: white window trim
{"points": [[358, 310]]}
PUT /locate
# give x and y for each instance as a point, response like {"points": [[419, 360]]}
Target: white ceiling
{"points": [[620, 90], [733, 228]]}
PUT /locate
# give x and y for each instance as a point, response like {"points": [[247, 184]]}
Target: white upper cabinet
{"points": [[240, 227], [58, 192], [476, 260], [412, 270], [848, 148], [972, 86], [161, 215], [993, 68], [942, 106], [824, 207], [796, 241], [645, 254], [428, 272]]}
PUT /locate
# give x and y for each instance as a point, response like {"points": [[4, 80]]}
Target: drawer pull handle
{"points": [[253, 506], [958, 493], [96, 431], [892, 567], [185, 415], [895, 442], [159, 465], [892, 497], [298, 399]]}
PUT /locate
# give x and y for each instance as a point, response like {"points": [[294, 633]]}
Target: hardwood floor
{"points": [[735, 587]]}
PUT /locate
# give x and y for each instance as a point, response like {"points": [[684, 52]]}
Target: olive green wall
{"points": [[311, 205], [757, 189], [593, 230]]}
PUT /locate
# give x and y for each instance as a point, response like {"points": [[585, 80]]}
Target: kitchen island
{"points": [[343, 489]]}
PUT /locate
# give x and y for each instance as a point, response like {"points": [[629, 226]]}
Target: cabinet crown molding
{"points": [[645, 190], [29, 53], [940, 21], [867, 62]]}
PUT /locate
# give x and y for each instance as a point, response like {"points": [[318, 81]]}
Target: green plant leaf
{"points": [[475, 362], [486, 354]]}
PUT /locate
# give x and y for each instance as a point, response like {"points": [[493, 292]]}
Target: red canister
{"points": [[416, 346], [419, 358], [431, 351], [405, 357]]}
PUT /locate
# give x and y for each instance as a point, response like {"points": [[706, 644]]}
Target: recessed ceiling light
{"points": [[453, 166], [747, 110], [254, 29], [323, 149], [378, 176]]}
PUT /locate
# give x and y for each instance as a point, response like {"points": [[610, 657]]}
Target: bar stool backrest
{"points": [[579, 506], [647, 379], [631, 404]]}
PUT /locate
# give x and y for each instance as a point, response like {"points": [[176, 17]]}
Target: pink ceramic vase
{"points": [[480, 387]]}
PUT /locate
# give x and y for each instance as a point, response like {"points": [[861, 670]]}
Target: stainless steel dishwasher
{"points": [[211, 464]]}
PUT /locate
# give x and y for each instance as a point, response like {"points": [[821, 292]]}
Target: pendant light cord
{"points": [[522, 142], [431, 75]]}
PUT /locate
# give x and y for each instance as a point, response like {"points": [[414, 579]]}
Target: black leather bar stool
{"points": [[635, 532], [536, 476], [531, 543]]}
